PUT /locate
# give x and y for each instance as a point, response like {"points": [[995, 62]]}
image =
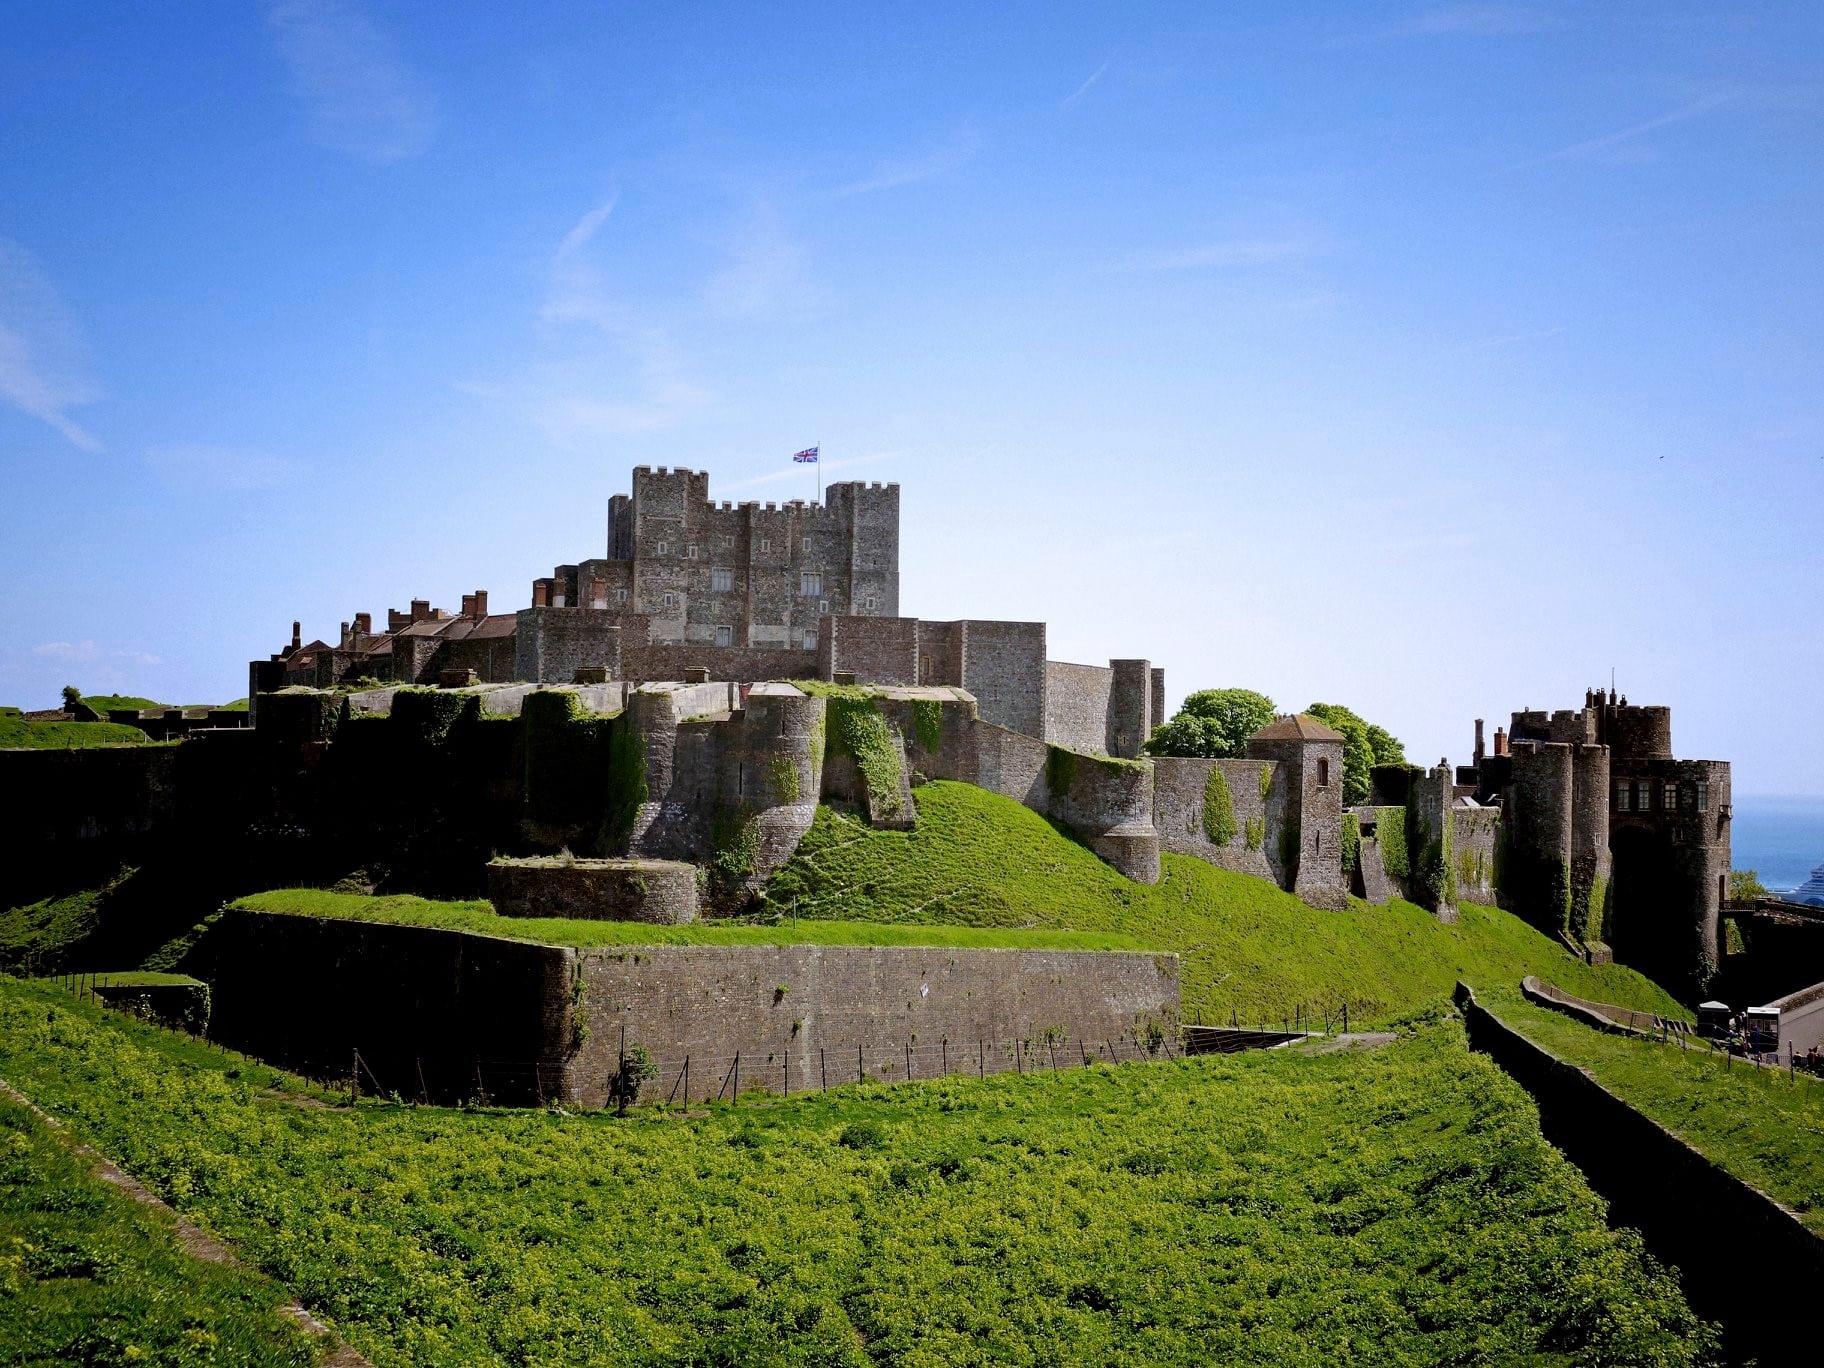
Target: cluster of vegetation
{"points": [[1365, 745], [854, 727], [1218, 808], [401, 909], [1763, 1125], [1745, 886], [1214, 724], [87, 1275], [1391, 1206], [1249, 949]]}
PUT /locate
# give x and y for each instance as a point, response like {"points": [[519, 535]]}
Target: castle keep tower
{"points": [[1609, 839], [749, 575]]}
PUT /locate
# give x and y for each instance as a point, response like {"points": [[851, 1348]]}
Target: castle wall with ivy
{"points": [[1257, 793]]}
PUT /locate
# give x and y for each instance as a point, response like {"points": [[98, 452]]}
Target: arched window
{"points": [[1323, 773]]}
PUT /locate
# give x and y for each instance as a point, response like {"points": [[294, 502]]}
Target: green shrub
{"points": [[1352, 843], [1060, 770], [1218, 808], [1390, 836], [928, 724]]}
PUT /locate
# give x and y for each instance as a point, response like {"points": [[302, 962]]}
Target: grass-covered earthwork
{"points": [[1766, 1126], [1387, 1207], [978, 859]]}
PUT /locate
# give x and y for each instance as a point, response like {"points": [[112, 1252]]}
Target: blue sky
{"points": [[1434, 359]]}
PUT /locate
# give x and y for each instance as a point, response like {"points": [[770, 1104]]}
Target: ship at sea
{"points": [[1811, 891]]}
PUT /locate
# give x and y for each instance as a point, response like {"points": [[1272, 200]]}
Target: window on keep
{"points": [[1703, 795], [1624, 795], [721, 581], [810, 583]]}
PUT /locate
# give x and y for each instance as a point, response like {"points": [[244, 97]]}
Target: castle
{"points": [[745, 592], [1581, 821]]}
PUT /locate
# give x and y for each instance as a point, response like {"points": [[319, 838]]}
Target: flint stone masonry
{"points": [[813, 1005], [1179, 786], [660, 891]]}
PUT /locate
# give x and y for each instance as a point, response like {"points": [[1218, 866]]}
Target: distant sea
{"points": [[1781, 839]]}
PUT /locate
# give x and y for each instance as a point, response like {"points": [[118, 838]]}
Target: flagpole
{"points": [[819, 464]]}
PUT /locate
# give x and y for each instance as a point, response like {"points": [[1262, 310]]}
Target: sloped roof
{"points": [[1298, 727]]}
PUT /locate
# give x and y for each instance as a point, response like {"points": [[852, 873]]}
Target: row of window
{"points": [[1636, 795], [690, 548]]}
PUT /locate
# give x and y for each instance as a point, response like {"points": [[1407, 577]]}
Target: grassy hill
{"points": [[405, 910], [17, 732], [1392, 1206], [978, 859]]}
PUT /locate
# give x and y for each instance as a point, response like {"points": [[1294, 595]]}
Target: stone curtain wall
{"points": [[1712, 1216], [417, 1003], [1478, 833], [1004, 667], [1179, 786], [874, 650], [815, 1005], [1076, 705], [659, 891]]}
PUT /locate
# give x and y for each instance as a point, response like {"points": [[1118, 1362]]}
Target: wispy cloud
{"points": [[768, 271], [586, 228], [197, 468], [798, 472], [1230, 254], [41, 366], [1071, 99], [1483, 21], [1609, 144], [607, 369], [87, 652], [937, 162], [362, 98]]}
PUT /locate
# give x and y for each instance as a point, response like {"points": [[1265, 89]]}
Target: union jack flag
{"points": [[808, 455]]}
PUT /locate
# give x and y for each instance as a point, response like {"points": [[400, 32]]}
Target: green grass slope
{"points": [[1395, 1206], [406, 910], [1763, 1125], [17, 733], [106, 703], [978, 859], [89, 1276]]}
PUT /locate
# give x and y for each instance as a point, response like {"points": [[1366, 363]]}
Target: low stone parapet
{"points": [[662, 891]]}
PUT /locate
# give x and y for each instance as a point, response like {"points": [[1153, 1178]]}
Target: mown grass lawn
{"points": [[1396, 1206], [1763, 1125], [978, 859]]}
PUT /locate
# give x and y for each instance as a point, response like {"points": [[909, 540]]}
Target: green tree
{"points": [[1358, 748], [1213, 723], [1386, 746], [71, 697], [1745, 886]]}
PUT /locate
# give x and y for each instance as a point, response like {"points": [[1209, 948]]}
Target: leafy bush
{"points": [[1218, 808]]}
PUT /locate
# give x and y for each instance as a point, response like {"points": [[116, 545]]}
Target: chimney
{"points": [[421, 609], [1500, 741], [396, 619], [344, 637], [297, 635], [540, 593], [364, 624], [468, 605], [1478, 742], [481, 603]]}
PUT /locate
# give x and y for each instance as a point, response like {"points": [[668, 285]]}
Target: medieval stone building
{"points": [[1608, 837]]}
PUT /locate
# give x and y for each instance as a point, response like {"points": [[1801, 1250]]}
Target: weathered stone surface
{"points": [[663, 891]]}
